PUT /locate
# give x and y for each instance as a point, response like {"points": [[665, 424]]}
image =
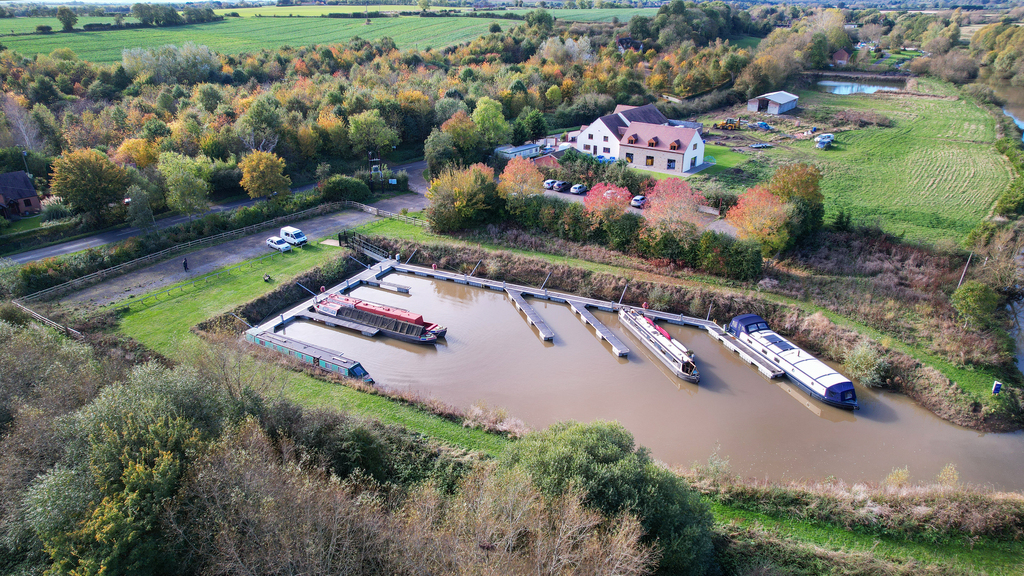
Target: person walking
{"points": [[184, 264]]}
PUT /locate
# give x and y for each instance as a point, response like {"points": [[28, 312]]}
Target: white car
{"points": [[549, 184], [825, 138], [277, 243], [579, 189], [638, 202]]}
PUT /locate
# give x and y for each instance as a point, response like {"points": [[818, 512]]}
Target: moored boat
{"points": [[395, 322], [812, 375], [669, 350]]}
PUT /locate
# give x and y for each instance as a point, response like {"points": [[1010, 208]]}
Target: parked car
{"points": [[825, 138], [293, 236], [561, 186], [549, 184], [761, 145], [277, 243], [579, 189], [638, 201]]}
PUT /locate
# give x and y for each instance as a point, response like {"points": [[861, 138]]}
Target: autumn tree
{"points": [[800, 186], [461, 198], [187, 181], [89, 183], [673, 206], [138, 151], [762, 216], [464, 134], [606, 202], [67, 18], [439, 151], [263, 175], [368, 131], [520, 181]]}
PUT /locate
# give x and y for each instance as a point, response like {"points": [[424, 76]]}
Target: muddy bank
{"points": [[901, 372]]}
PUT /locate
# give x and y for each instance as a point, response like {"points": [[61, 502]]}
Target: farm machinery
{"points": [[729, 124]]}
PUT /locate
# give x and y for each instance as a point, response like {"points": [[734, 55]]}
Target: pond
{"points": [[764, 427], [869, 87]]}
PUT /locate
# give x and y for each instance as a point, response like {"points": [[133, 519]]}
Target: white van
{"points": [[293, 236]]}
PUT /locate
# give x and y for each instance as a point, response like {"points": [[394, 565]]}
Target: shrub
{"points": [[616, 476], [866, 364], [340, 187], [43, 29], [55, 209]]}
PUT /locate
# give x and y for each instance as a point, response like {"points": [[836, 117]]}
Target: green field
{"points": [[235, 35], [28, 25], [318, 10], [932, 176]]}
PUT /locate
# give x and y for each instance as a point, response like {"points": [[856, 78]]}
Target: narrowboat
{"points": [[812, 375], [395, 322], [669, 350], [320, 357]]}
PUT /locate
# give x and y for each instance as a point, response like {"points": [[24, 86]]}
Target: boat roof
{"points": [[748, 319]]}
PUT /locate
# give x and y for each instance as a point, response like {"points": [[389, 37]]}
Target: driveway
{"points": [[210, 259]]}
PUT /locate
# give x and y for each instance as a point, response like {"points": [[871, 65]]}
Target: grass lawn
{"points": [[315, 11], [30, 223], [597, 14], [986, 555], [748, 42], [724, 157], [164, 327], [236, 35], [932, 176]]}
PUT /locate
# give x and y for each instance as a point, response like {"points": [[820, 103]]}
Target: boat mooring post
{"points": [[308, 290], [475, 267], [709, 311], [545, 281], [624, 288], [411, 255], [360, 263]]}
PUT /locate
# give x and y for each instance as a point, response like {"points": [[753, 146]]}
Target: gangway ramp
{"points": [[531, 315], [603, 332]]}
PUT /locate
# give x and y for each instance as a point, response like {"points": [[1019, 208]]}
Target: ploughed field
{"points": [[933, 175], [236, 35]]}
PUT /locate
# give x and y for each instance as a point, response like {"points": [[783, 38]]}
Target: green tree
{"points": [[67, 18], [140, 212], [976, 303], [553, 96], [89, 183], [617, 476], [263, 175], [187, 181], [439, 151], [209, 97], [368, 131], [461, 198], [491, 123], [540, 19], [423, 4], [532, 124]]}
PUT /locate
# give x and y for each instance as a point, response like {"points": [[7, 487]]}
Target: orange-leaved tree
{"points": [[460, 198], [672, 205], [762, 216], [520, 179], [606, 202], [263, 175]]}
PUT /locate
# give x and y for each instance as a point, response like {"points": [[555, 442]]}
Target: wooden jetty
{"points": [[603, 332]]}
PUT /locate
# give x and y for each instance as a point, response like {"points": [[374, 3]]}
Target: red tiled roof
{"points": [[664, 136]]}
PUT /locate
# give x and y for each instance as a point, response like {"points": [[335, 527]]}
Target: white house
{"points": [[644, 137]]}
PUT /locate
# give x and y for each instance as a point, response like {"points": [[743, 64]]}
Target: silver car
{"points": [[278, 243]]}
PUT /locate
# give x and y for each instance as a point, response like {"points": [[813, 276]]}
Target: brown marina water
{"points": [[765, 428]]}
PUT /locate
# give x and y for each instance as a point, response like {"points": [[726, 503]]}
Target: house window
{"points": [[605, 138], [586, 147], [694, 145], [607, 150], [651, 143], [671, 165], [632, 140], [629, 157], [673, 146], [590, 136], [650, 160], [28, 203]]}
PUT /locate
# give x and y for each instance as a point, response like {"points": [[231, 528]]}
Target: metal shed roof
{"points": [[779, 97]]}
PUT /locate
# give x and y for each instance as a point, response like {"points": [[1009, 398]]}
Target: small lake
{"points": [[870, 87]]}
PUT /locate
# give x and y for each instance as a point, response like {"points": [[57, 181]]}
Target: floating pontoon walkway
{"points": [[753, 357], [531, 315], [372, 277], [338, 323], [603, 332]]}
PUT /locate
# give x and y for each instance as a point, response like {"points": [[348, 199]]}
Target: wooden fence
{"points": [[58, 327]]}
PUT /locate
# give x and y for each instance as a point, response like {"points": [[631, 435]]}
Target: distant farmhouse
{"points": [[645, 138], [841, 58], [17, 195], [773, 103]]}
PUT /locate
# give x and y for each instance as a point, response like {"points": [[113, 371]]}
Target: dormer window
{"points": [[631, 140], [674, 145], [652, 142]]}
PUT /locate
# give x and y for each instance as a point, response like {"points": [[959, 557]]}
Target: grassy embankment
{"points": [[932, 176], [165, 328], [235, 35]]}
